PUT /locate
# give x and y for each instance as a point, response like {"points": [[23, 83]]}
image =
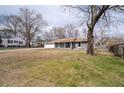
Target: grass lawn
{"points": [[12, 48], [53, 67]]}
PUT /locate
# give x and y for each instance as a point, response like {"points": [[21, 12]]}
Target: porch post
{"points": [[59, 45], [64, 44], [70, 45]]}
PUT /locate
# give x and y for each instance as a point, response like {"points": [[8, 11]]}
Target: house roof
{"points": [[68, 40]]}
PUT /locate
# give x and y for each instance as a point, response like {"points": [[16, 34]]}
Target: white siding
{"points": [[16, 43], [6, 44], [49, 45]]}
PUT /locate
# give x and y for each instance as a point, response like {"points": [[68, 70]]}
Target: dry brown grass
{"points": [[59, 67]]}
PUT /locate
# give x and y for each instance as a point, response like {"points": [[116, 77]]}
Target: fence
{"points": [[117, 50]]}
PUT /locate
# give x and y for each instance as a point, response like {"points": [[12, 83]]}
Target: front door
{"points": [[73, 45]]}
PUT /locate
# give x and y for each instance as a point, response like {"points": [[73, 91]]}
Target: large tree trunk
{"points": [[28, 43], [94, 19], [90, 45]]}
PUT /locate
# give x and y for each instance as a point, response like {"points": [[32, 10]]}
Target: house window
{"points": [[20, 42], [15, 41], [10, 41], [67, 45], [79, 44], [0, 40]]}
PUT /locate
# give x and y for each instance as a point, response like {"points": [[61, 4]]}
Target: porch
{"points": [[71, 45]]}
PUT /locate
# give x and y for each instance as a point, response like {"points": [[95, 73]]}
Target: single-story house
{"points": [[67, 43], [12, 42]]}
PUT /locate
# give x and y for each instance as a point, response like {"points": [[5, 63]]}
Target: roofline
{"points": [[71, 42], [66, 42]]}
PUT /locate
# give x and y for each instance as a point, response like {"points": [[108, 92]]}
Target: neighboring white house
{"points": [[12, 42], [49, 45], [67, 43]]}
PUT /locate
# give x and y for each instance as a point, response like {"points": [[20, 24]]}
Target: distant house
{"points": [[72, 43], [12, 42]]}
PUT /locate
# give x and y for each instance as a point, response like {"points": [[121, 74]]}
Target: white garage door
{"points": [[49, 46]]}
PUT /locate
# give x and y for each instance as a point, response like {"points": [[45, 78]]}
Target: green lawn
{"points": [[53, 67]]}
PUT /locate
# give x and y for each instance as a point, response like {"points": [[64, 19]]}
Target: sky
{"points": [[55, 15]]}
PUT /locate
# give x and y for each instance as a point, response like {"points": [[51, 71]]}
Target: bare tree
{"points": [[30, 23], [48, 36], [84, 32], [59, 32], [93, 15], [101, 39], [10, 23], [71, 31], [5, 33]]}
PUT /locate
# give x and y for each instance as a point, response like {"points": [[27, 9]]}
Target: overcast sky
{"points": [[54, 15]]}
